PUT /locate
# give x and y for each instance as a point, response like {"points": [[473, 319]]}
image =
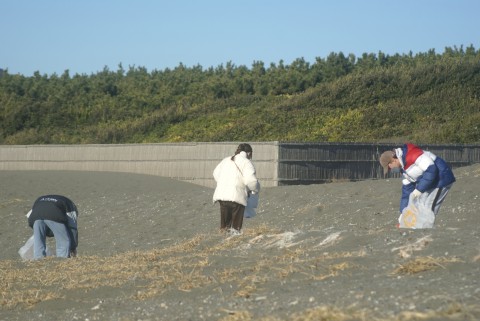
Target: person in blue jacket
{"points": [[54, 216], [425, 175]]}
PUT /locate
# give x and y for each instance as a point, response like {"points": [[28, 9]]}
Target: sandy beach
{"points": [[150, 249]]}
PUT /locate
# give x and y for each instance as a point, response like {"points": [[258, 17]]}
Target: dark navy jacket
{"points": [[55, 208]]}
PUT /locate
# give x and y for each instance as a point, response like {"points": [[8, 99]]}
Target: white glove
{"points": [[416, 193]]}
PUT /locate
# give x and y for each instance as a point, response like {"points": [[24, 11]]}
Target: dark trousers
{"points": [[231, 215]]}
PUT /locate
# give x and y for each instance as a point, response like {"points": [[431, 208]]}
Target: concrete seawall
{"points": [[191, 162]]}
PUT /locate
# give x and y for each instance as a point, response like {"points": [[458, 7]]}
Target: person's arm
{"points": [[73, 235], [217, 171], [73, 241], [72, 227], [250, 178], [430, 173], [428, 179]]}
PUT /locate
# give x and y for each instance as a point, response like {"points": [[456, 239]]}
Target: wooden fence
{"points": [[313, 163]]}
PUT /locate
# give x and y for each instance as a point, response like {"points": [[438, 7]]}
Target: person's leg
{"points": [[225, 215], [62, 239], [237, 216], [39, 239], [434, 198], [440, 197]]}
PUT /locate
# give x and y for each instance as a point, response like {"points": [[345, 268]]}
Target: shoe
{"points": [[233, 232]]}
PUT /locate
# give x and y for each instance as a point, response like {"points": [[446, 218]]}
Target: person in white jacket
{"points": [[236, 180]]}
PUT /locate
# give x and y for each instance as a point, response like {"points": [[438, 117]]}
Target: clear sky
{"points": [[84, 36]]}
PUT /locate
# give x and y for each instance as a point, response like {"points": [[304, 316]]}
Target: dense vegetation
{"points": [[423, 97]]}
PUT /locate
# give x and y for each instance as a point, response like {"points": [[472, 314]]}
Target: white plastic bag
{"points": [[250, 212], [416, 215], [252, 204], [26, 251]]}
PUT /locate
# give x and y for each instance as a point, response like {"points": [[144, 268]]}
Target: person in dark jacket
{"points": [[425, 175], [54, 216]]}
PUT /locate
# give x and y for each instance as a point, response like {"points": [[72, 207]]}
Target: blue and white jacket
{"points": [[422, 170]]}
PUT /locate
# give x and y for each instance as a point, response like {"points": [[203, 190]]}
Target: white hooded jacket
{"points": [[234, 179]]}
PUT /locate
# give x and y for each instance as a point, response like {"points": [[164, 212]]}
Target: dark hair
{"points": [[243, 148]]}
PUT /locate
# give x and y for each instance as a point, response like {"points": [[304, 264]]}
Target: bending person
{"points": [[425, 175], [54, 216]]}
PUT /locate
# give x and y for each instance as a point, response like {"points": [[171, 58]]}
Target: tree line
{"points": [[424, 97]]}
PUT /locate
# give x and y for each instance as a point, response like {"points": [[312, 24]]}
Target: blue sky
{"points": [[84, 36]]}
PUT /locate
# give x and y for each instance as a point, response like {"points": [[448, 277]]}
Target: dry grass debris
{"points": [[183, 266], [422, 264]]}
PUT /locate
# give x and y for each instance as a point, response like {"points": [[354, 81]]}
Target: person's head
{"points": [[389, 161], [244, 148]]}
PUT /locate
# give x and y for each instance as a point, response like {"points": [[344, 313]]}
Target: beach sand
{"points": [[150, 249]]}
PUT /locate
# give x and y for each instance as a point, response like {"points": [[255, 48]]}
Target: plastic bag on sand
{"points": [[416, 215], [26, 251], [252, 204]]}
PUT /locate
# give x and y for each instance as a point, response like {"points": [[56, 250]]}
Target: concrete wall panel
{"points": [[191, 162]]}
